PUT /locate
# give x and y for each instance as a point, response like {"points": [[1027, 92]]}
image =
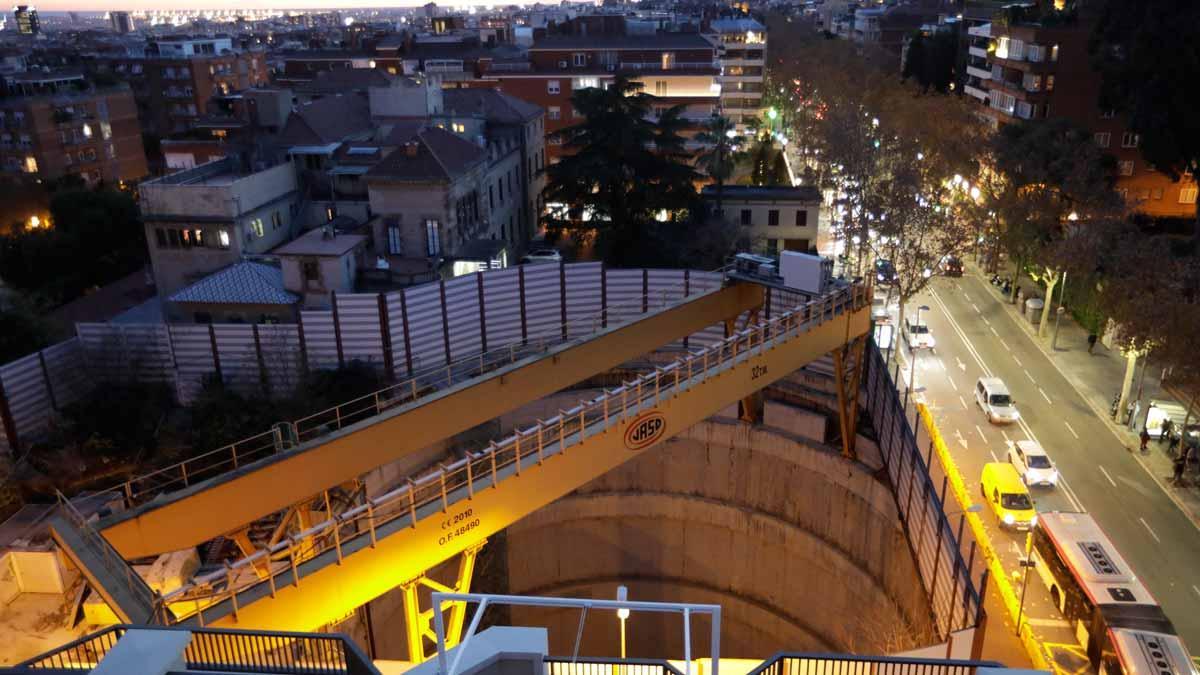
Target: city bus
{"points": [[1112, 613]]}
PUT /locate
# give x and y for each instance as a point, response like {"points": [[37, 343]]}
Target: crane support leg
{"points": [[419, 623], [848, 367]]}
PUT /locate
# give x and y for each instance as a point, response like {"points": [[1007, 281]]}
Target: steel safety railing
{"points": [[789, 663], [427, 381], [450, 483], [220, 650], [555, 665]]}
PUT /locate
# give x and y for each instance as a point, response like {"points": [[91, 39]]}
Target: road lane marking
{"points": [[1110, 480], [961, 366], [1045, 396], [994, 457], [976, 308], [964, 403], [1006, 347], [993, 329], [1196, 589], [1147, 526], [1016, 549], [1005, 435], [952, 385], [986, 322], [1018, 361], [1071, 430], [985, 440], [1029, 376]]}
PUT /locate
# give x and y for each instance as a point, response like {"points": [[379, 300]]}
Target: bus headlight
{"points": [[1008, 519]]}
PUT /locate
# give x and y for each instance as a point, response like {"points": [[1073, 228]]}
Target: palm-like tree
{"points": [[723, 154]]}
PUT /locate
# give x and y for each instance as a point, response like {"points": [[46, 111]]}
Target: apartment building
{"points": [[174, 79], [1039, 71], [676, 68], [741, 53], [205, 219], [60, 124], [26, 19], [771, 218]]}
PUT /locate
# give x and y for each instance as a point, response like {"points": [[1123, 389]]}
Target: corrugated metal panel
{"points": [[281, 353], [319, 340], [239, 357], [193, 354], [358, 316], [543, 301], [67, 369], [624, 295], [396, 328], [124, 351], [28, 397], [666, 287], [462, 310], [583, 298], [425, 325], [503, 305]]}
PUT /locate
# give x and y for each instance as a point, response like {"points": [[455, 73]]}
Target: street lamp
{"points": [[1027, 564], [622, 614]]}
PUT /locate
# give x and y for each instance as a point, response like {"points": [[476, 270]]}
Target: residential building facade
{"points": [[741, 52], [65, 126], [1038, 72], [26, 19], [770, 219], [207, 218]]}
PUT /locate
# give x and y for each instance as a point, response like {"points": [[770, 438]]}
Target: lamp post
{"points": [[1059, 312], [622, 614], [1028, 564]]}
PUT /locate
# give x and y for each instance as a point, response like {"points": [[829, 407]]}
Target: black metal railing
{"points": [[791, 663], [230, 651], [558, 665]]}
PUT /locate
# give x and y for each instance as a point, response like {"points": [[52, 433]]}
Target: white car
{"points": [[993, 398], [542, 255], [1033, 463], [879, 310], [917, 335]]}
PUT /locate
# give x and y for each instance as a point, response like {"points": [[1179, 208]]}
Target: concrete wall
{"points": [[803, 549]]}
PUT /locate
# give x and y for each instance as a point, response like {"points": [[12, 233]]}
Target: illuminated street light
{"points": [[874, 121], [622, 614], [772, 114], [926, 273], [34, 222], [920, 156], [975, 193], [1073, 216]]}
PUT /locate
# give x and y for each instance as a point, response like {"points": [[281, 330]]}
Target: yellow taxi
{"points": [[1005, 493]]}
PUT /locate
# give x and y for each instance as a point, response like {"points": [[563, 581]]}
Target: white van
{"points": [[993, 399]]}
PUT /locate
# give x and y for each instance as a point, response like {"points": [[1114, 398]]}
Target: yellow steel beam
{"points": [[331, 591], [210, 509]]}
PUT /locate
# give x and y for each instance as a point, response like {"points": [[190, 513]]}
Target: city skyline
{"points": [[226, 5]]}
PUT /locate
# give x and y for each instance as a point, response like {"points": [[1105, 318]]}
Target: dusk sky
{"points": [[133, 5]]}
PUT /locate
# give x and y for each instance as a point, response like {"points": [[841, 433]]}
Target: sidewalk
{"points": [[1096, 377]]}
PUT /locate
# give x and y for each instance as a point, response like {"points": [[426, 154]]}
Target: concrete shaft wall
{"points": [[801, 548]]}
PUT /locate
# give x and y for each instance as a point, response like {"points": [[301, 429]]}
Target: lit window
{"points": [[554, 112], [1129, 140], [579, 59], [585, 83], [1187, 195], [552, 87], [87, 131], [257, 226], [223, 238], [31, 165], [1102, 139], [1125, 168], [459, 128]]}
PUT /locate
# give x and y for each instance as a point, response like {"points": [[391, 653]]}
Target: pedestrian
{"points": [[1145, 438], [1173, 444], [1091, 342], [1178, 466], [1167, 427]]}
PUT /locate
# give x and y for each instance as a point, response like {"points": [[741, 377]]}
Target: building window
{"points": [[579, 59], [276, 221], [491, 198], [1125, 168], [1129, 140], [1187, 195], [552, 87], [773, 217], [1102, 139], [554, 112], [575, 112], [1157, 194], [458, 128], [257, 226], [1108, 114], [1049, 83], [31, 165], [585, 83], [160, 237], [310, 270], [433, 240], [773, 246], [500, 189], [1054, 52], [660, 87], [745, 216], [393, 239], [330, 213], [801, 218], [223, 238]]}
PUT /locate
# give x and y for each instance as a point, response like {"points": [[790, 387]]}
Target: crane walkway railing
{"points": [[355, 529], [423, 383]]}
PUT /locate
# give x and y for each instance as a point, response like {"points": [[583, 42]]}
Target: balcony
{"points": [[660, 66], [977, 51], [975, 92], [983, 75], [980, 31], [522, 67]]}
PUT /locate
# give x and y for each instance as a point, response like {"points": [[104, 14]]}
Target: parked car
{"points": [[951, 266], [879, 310], [993, 399], [1032, 463], [1007, 497], [542, 255], [917, 335]]}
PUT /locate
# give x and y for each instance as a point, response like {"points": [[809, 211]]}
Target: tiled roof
{"points": [[243, 283], [328, 120], [494, 105], [440, 155], [345, 80]]}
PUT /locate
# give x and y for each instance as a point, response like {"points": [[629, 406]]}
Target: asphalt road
{"points": [[976, 335]]}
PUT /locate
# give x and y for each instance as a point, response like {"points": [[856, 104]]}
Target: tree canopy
{"points": [[622, 168], [930, 60]]}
